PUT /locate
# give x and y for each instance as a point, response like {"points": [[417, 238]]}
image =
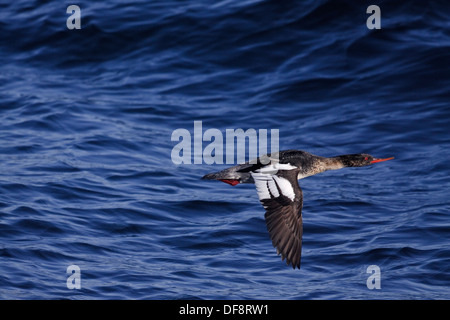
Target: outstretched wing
{"points": [[282, 199]]}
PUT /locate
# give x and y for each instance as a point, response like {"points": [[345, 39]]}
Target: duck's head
{"points": [[360, 160]]}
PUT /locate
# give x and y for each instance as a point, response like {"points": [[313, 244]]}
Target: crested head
{"points": [[360, 160], [356, 160]]}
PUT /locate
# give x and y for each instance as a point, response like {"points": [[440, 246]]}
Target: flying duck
{"points": [[275, 177]]}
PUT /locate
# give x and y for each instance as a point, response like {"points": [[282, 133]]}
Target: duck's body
{"points": [[275, 177]]}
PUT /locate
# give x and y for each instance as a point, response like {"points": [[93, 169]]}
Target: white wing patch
{"points": [[273, 188], [273, 167], [284, 166], [266, 182], [261, 182], [285, 186]]}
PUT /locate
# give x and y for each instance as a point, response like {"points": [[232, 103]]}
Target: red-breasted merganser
{"points": [[275, 178]]}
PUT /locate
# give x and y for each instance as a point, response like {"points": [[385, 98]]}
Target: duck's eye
{"points": [[366, 158]]}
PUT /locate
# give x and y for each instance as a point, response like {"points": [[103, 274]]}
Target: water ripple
{"points": [[86, 176]]}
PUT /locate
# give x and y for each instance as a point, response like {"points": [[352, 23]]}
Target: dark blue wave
{"points": [[86, 176]]}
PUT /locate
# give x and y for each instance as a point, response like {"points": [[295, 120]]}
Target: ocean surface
{"points": [[86, 170]]}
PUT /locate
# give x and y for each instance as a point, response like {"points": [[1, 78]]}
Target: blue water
{"points": [[86, 176]]}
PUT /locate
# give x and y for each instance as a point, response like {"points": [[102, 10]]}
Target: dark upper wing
{"points": [[282, 198]]}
